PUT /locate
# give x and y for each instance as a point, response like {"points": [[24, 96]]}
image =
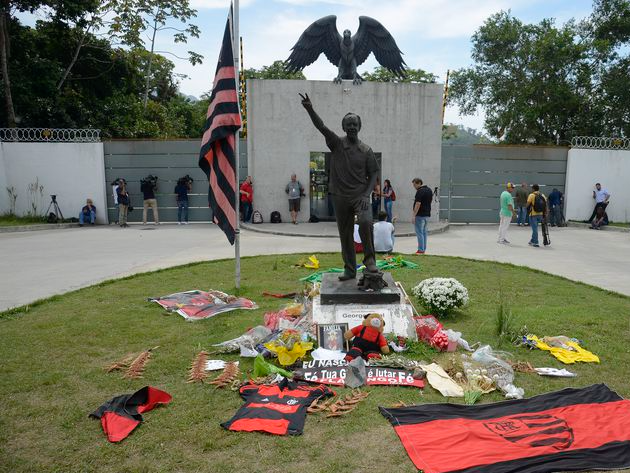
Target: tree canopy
{"points": [[274, 71], [542, 83], [380, 74]]}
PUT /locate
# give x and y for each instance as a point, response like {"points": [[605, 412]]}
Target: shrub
{"points": [[441, 295]]}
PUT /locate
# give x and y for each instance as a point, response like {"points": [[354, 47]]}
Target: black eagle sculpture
{"points": [[346, 52]]}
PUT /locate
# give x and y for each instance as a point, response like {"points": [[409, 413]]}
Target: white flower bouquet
{"points": [[441, 295]]}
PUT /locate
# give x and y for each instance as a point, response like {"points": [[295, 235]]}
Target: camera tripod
{"points": [[55, 206]]}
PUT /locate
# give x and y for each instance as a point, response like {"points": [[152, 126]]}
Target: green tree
{"points": [[533, 81], [380, 74], [608, 28], [275, 71], [137, 17]]}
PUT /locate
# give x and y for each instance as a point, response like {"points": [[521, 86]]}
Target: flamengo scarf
{"points": [[567, 430]]}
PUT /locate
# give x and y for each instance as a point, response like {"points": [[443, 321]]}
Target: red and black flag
{"points": [[568, 430], [217, 157], [122, 414]]}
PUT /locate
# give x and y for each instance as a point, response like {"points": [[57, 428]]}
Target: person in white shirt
{"points": [[383, 234], [601, 197]]}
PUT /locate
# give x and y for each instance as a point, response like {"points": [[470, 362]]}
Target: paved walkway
{"points": [[39, 264]]}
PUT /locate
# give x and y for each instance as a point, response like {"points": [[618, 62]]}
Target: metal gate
{"points": [[168, 160], [473, 177]]}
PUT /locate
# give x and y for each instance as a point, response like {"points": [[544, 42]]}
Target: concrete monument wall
{"points": [[611, 168], [71, 171], [401, 121]]}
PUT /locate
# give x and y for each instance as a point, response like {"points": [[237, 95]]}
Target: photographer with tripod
{"points": [[184, 185], [123, 202], [148, 186]]}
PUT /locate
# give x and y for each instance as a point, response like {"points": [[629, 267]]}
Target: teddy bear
{"points": [[367, 339]]}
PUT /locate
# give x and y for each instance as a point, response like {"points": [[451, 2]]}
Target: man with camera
{"points": [[184, 185], [148, 186]]}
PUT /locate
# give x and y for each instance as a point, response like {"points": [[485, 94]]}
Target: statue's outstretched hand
{"points": [[306, 101]]}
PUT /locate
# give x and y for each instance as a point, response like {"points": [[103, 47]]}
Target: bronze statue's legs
{"points": [[344, 212], [366, 232]]}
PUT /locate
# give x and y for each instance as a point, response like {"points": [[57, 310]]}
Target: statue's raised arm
{"points": [[317, 121]]}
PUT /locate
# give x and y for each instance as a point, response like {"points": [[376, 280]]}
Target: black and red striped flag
{"points": [[217, 157], [568, 430]]}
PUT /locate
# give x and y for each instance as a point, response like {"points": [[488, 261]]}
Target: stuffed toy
{"points": [[367, 339]]}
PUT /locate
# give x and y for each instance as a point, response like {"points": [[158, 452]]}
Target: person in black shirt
{"points": [[148, 186], [421, 213], [181, 190]]}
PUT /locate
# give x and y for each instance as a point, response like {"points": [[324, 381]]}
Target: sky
{"points": [[433, 35]]}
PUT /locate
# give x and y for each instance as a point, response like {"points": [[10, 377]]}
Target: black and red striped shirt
{"points": [[278, 409]]}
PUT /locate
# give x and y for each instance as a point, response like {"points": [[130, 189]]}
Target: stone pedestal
{"points": [[343, 302], [334, 291]]}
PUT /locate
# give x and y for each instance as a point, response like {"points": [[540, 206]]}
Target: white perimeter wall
{"points": [[611, 168], [401, 121], [71, 171]]}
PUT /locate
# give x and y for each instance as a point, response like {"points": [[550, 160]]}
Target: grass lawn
{"points": [[620, 224], [53, 355], [9, 220]]}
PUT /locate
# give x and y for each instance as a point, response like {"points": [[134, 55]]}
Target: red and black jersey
{"points": [[121, 415], [568, 430], [277, 408]]}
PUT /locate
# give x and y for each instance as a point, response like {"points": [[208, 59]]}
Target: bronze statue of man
{"points": [[353, 173]]}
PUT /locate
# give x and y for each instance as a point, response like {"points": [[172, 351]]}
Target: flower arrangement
{"points": [[441, 295]]}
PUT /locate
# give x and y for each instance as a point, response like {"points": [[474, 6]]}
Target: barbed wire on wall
{"points": [[599, 142], [57, 135]]}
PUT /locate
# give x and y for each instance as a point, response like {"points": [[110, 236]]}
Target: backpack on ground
{"points": [[393, 196], [257, 217], [540, 204], [275, 217], [313, 219]]}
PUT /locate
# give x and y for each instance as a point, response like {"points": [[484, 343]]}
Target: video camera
{"points": [[185, 180], [150, 180]]}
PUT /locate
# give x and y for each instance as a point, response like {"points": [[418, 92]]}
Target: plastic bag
{"points": [[426, 327], [499, 370], [356, 374], [263, 368], [289, 347], [249, 339]]}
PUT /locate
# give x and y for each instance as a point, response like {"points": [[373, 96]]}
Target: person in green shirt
{"points": [[506, 213]]}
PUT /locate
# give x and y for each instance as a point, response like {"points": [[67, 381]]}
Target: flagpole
{"points": [[237, 228]]}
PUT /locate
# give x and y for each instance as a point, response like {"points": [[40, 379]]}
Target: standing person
{"points": [[521, 205], [148, 187], [506, 213], [383, 234], [555, 207], [601, 196], [247, 198], [123, 202], [376, 199], [295, 192], [389, 195], [353, 173], [181, 189], [421, 213], [88, 211], [115, 196], [537, 207]]}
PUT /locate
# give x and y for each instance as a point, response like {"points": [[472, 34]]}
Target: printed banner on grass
{"points": [[334, 372]]}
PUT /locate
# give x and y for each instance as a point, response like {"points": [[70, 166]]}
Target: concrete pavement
{"points": [[39, 264]]}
